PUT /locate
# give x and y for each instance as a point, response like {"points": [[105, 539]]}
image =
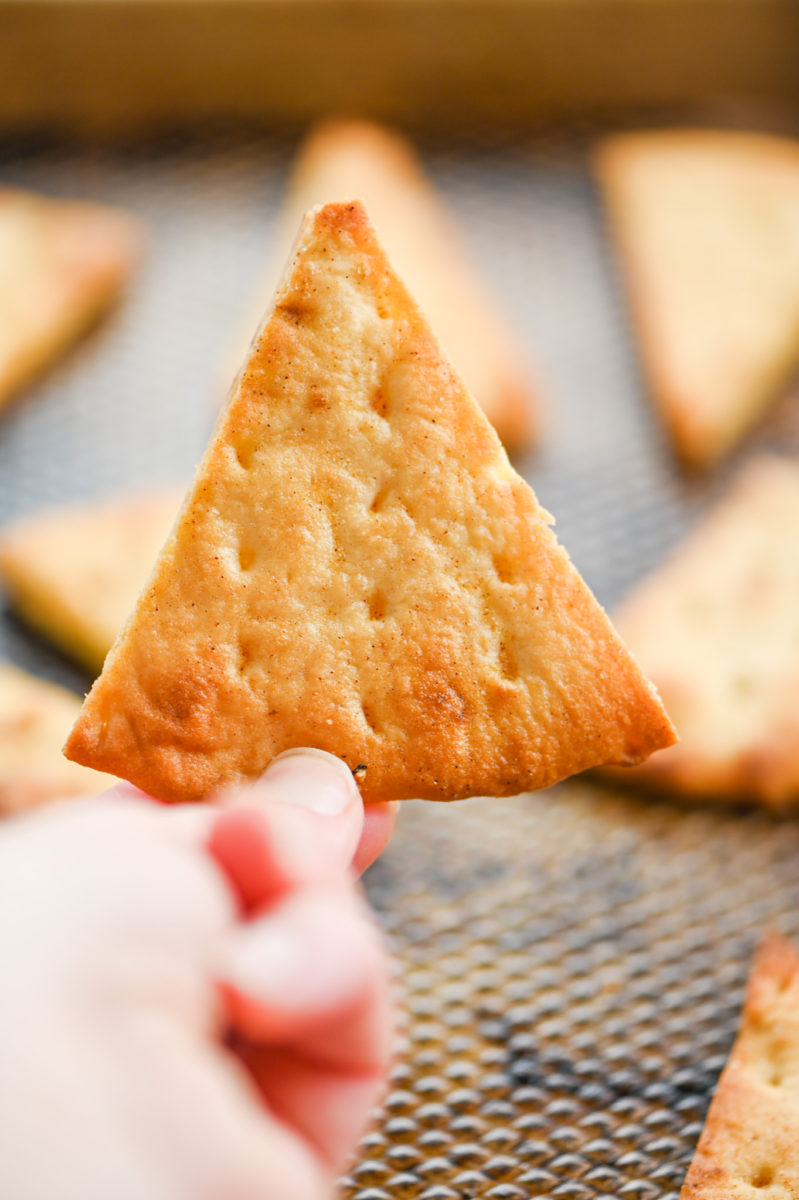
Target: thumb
{"points": [[300, 822], [309, 779]]}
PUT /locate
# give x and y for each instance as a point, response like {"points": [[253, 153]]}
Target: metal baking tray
{"points": [[570, 965], [116, 66]]}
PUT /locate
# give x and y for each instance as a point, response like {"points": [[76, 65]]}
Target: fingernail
{"points": [[311, 779]]}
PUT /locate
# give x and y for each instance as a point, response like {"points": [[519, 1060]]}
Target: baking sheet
{"points": [[114, 67], [570, 964]]}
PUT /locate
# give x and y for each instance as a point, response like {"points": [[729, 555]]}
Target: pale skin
{"points": [[194, 1000]]}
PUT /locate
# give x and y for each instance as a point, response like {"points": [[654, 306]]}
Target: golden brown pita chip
{"points": [[750, 1143], [35, 717], [73, 574], [62, 262], [344, 160], [358, 568], [717, 628], [707, 228]]}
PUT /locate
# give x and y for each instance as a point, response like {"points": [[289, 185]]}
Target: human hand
{"points": [[194, 999]]}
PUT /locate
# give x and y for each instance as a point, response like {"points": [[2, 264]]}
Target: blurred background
{"points": [[451, 67], [572, 963]]}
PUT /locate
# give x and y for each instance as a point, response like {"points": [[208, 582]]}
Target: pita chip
{"points": [[707, 229], [73, 574], [750, 1141], [717, 628], [35, 717], [344, 160], [62, 262], [358, 568]]}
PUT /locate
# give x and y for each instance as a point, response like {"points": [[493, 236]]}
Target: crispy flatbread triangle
{"points": [[62, 262], [344, 160], [716, 627], [35, 717], [707, 228], [358, 568], [750, 1143], [73, 574]]}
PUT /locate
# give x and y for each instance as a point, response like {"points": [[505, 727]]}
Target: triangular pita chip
{"points": [[61, 264], [717, 628], [707, 228], [73, 574], [358, 568], [750, 1143], [344, 160], [35, 717]]}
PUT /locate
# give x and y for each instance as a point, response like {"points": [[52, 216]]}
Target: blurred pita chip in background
{"points": [[62, 263], [717, 629], [73, 573], [35, 718], [706, 224]]}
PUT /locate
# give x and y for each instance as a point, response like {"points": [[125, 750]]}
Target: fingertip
{"points": [[317, 788], [311, 779], [302, 820]]}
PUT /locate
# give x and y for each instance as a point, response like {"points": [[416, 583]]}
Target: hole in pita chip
{"points": [[317, 399], [508, 663], [371, 720], [246, 557], [503, 569], [784, 983], [297, 309], [377, 606], [387, 497], [776, 1065], [245, 452], [380, 403], [776, 1060], [380, 498], [248, 655], [762, 1176]]}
